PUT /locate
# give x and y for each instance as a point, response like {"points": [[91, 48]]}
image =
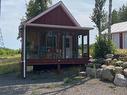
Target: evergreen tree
{"points": [[35, 7], [119, 15], [114, 16]]}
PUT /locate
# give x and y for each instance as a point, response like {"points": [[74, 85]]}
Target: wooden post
{"points": [[64, 45], [73, 46], [88, 43], [82, 46], [77, 45], [58, 52]]}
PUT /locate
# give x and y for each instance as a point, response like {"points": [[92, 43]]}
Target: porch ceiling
{"points": [[59, 27]]}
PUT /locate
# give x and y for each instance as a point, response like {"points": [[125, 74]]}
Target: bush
{"points": [[121, 51], [102, 47], [6, 51]]}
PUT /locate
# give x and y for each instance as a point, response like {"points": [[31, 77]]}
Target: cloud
{"points": [[11, 13], [13, 10]]}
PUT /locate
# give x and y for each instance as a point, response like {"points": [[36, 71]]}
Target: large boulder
{"points": [[108, 73], [103, 66], [125, 72], [120, 80], [118, 70], [124, 65], [108, 61], [119, 63], [109, 56], [82, 73], [90, 72], [99, 72]]}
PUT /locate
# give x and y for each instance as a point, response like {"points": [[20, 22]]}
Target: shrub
{"points": [[6, 51], [121, 51], [102, 47]]}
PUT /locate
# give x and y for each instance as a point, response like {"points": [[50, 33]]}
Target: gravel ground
{"points": [[11, 84]]}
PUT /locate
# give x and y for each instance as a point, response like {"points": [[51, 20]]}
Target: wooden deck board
{"points": [[57, 61]]}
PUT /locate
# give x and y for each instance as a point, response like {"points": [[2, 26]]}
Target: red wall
{"points": [[55, 17], [121, 40]]}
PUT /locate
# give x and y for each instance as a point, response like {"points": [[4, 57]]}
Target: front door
{"points": [[67, 46]]}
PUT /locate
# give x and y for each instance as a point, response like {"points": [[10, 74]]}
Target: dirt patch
{"points": [[49, 83]]}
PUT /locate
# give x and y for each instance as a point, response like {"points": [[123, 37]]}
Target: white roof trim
{"points": [[59, 26], [60, 3]]}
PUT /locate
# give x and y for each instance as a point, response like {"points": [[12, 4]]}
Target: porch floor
{"points": [[57, 61]]}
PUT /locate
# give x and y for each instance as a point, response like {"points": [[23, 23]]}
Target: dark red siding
{"points": [[55, 17], [121, 41]]}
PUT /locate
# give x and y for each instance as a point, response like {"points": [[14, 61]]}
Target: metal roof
{"points": [[118, 27]]}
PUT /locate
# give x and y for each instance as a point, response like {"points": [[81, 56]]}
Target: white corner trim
{"points": [[24, 53]]}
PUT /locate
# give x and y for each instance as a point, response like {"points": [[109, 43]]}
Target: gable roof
{"points": [[60, 3], [118, 27]]}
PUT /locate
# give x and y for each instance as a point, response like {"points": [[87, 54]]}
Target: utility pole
{"points": [[1, 37], [110, 19]]}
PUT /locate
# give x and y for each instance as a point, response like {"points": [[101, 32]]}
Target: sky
{"points": [[13, 10]]}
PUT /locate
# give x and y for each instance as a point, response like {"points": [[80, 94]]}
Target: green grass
{"points": [[10, 56], [121, 51], [9, 68], [9, 64]]}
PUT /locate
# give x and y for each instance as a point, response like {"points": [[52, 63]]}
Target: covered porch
{"points": [[55, 44]]}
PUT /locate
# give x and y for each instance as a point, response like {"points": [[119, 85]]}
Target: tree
{"points": [[119, 15], [123, 13], [35, 7], [99, 15], [115, 17], [110, 19], [102, 47]]}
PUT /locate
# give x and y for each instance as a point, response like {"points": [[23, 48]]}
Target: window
{"points": [[51, 40], [67, 42]]}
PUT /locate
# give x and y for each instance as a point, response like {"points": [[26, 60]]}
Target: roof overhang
{"points": [[59, 27]]}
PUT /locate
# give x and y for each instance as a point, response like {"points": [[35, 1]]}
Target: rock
{"points": [[103, 66], [119, 63], [111, 67], [125, 72], [99, 72], [124, 65], [107, 73], [82, 73], [109, 56], [120, 80], [108, 61], [90, 72], [118, 70]]}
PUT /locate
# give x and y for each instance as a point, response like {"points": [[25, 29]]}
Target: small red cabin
{"points": [[54, 37]]}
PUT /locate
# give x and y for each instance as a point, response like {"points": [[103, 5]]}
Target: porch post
{"points": [[82, 45], [88, 43], [73, 45], [24, 53], [64, 45], [58, 51], [76, 45]]}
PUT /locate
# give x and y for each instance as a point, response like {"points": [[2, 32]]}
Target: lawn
{"points": [[9, 63]]}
